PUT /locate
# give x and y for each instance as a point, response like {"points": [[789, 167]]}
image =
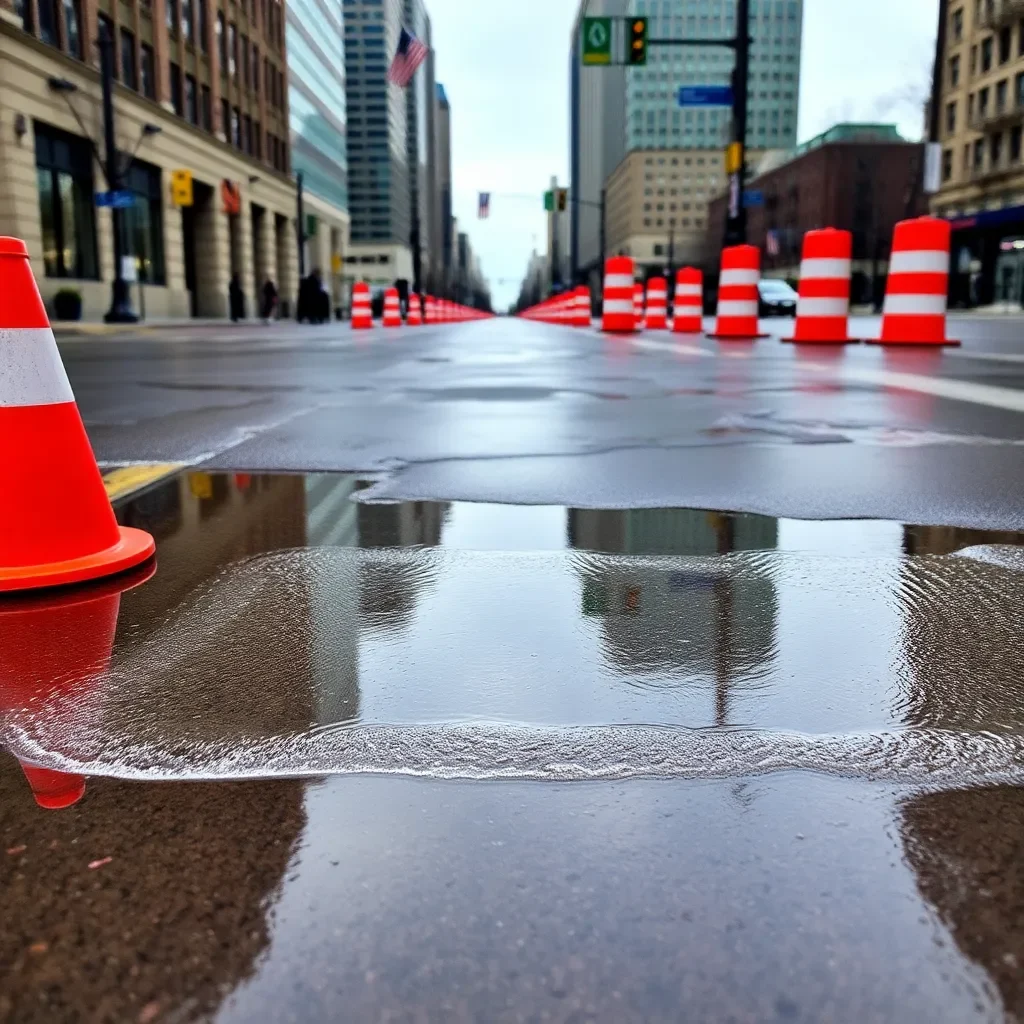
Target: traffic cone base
{"points": [[56, 524]]}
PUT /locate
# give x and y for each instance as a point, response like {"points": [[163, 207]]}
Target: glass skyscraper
{"points": [[316, 97]]}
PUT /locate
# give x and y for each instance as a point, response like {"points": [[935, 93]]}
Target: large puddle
{"points": [[290, 631]]}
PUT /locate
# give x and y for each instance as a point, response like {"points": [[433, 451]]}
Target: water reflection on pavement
{"points": [[806, 737]]}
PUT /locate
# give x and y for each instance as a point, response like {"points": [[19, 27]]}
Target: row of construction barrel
{"points": [[422, 310], [914, 312], [571, 308]]}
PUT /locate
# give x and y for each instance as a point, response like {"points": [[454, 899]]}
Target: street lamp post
{"points": [[120, 311]]}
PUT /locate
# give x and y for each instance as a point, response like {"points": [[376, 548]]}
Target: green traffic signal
{"points": [[637, 40]]}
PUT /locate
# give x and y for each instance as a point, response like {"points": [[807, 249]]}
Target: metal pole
{"points": [[736, 219], [417, 257], [671, 256], [120, 311], [300, 228], [604, 256]]}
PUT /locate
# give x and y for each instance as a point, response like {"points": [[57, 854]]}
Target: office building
{"points": [[617, 112], [316, 116], [419, 119], [443, 200], [862, 178], [977, 109], [559, 274], [377, 133], [199, 88]]}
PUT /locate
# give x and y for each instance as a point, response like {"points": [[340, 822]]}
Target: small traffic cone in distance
{"points": [[392, 309], [617, 313], [914, 312], [823, 305], [688, 315], [657, 304], [56, 523], [638, 307], [362, 311], [582, 318], [414, 318], [738, 297]]}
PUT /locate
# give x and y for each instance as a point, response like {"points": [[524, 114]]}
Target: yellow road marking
{"points": [[129, 479]]}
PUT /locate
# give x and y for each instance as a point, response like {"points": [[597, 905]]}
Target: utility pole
{"points": [[604, 241], [736, 216], [671, 255], [417, 256], [120, 311]]}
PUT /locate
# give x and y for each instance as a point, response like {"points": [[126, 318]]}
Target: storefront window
{"points": [[64, 178], [144, 222]]}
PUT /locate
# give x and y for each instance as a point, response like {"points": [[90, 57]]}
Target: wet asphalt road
{"points": [[610, 757], [521, 412]]}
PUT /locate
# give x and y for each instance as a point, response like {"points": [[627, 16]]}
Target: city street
{"points": [[506, 671]]}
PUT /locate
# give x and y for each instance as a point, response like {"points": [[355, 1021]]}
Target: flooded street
{"points": [[761, 769]]}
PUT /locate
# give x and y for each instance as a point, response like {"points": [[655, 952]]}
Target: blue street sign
{"points": [[705, 96], [119, 200], [753, 197]]}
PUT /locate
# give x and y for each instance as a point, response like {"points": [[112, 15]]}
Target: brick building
{"points": [[200, 85], [861, 178]]}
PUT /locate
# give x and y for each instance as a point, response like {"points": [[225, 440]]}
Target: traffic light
{"points": [[637, 54], [563, 199]]}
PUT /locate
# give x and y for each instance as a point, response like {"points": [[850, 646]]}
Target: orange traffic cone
{"points": [[582, 317], [392, 310], [638, 307], [738, 297], [56, 525], [688, 317], [915, 293], [362, 313], [429, 310], [657, 304], [617, 304], [414, 318], [823, 306], [54, 653]]}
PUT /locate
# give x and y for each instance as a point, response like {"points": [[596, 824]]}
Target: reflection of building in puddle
{"points": [[962, 623], [965, 849], [174, 918], [708, 620]]}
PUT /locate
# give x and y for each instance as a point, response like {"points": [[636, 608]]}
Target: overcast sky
{"points": [[504, 66]]}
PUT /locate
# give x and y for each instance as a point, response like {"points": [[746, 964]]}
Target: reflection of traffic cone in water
{"points": [[54, 653], [56, 524]]}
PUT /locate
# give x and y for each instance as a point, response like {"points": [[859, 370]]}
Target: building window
{"points": [[974, 59], [201, 23], [1018, 89], [236, 128], [957, 23], [954, 71], [64, 179], [245, 60], [255, 68], [257, 139], [995, 150], [186, 21], [205, 109], [128, 74], [146, 76], [1002, 89], [48, 21], [1005, 44], [947, 164], [986, 55], [225, 119], [951, 117], [1020, 38], [979, 154], [172, 17], [222, 44], [1015, 136], [232, 50], [176, 89], [72, 34], [144, 221], [247, 134], [191, 107]]}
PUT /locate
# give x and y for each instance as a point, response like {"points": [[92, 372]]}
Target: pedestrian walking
{"points": [[236, 299], [269, 300]]}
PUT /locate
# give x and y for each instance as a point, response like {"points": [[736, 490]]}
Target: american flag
{"points": [[772, 243], [484, 206], [411, 53]]}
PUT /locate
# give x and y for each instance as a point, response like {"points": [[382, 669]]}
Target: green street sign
{"points": [[549, 201], [597, 41]]}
